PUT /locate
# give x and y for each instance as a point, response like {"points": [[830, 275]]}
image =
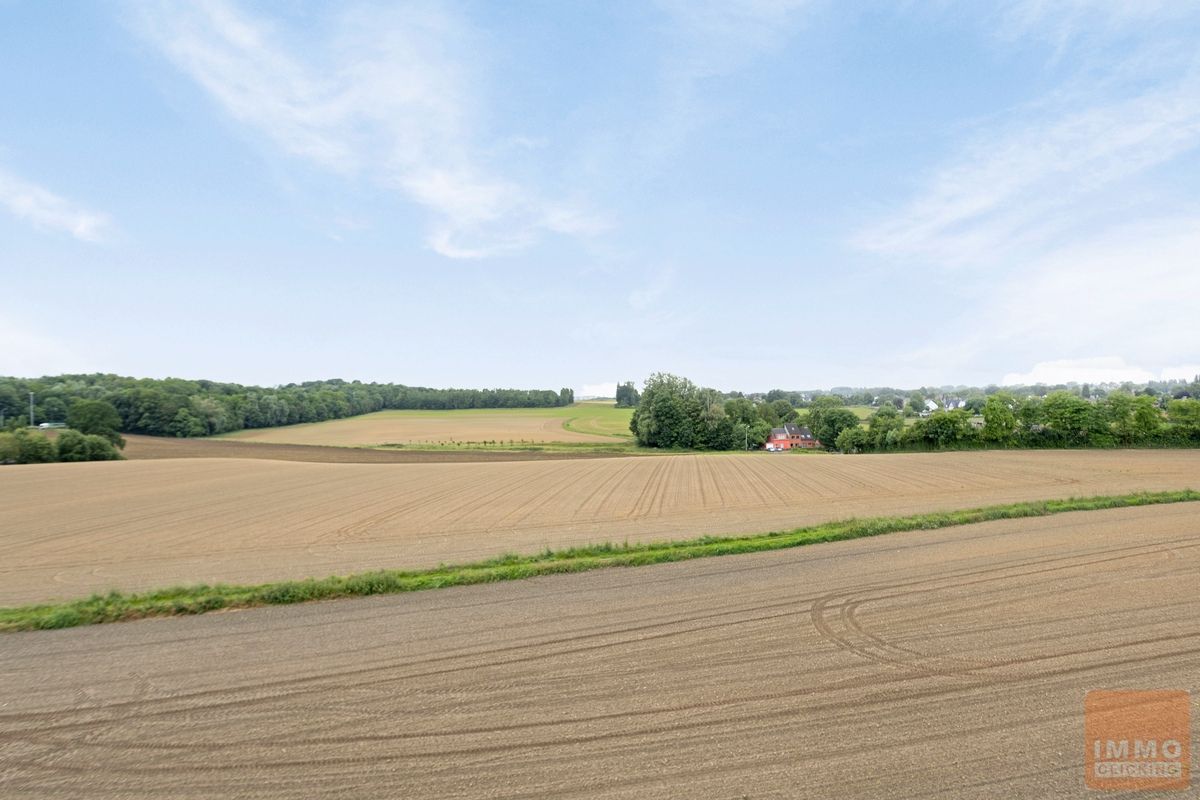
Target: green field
{"points": [[599, 417]]}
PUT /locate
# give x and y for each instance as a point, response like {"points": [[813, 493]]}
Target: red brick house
{"points": [[791, 437]]}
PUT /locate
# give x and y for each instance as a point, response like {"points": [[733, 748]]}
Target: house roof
{"points": [[791, 429]]}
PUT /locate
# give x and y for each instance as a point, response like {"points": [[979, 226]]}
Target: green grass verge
{"points": [[117, 606]]}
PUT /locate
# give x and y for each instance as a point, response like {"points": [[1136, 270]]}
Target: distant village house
{"points": [[791, 437]]}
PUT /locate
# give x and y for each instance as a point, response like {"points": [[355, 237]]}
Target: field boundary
{"points": [[185, 600]]}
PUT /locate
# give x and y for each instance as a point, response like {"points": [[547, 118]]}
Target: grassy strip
{"points": [[116, 606]]}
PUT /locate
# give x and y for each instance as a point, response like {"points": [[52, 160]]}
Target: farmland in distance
{"points": [[590, 424]]}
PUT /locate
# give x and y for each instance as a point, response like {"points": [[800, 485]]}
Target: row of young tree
{"points": [[1060, 419], [673, 412], [175, 407]]}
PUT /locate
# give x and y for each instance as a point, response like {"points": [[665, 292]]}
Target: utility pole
{"points": [[31, 409]]}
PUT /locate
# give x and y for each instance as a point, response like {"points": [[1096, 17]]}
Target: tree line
{"points": [[177, 407], [673, 412], [1060, 419]]}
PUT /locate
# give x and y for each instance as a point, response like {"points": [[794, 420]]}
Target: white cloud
{"points": [[1104, 369], [1128, 293], [1133, 288], [1185, 372], [387, 95], [606, 389], [46, 210]]}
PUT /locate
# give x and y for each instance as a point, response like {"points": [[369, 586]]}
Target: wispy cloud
{"points": [[1024, 185], [704, 40], [385, 96], [1065, 23], [1031, 175], [716, 37], [46, 210]]}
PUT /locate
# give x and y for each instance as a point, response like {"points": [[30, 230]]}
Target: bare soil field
{"points": [[157, 447], [946, 664], [73, 529], [439, 428]]}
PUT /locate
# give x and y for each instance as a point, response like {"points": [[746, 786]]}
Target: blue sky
{"points": [[752, 193]]}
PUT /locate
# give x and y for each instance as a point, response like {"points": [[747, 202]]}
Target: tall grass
{"points": [[117, 606]]}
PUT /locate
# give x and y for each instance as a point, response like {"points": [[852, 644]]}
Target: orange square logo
{"points": [[1137, 739]]}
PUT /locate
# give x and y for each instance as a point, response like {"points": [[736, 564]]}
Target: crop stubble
{"points": [[73, 529]]}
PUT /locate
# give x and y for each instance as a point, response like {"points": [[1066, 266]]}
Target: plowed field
{"points": [[72, 529], [929, 664]]}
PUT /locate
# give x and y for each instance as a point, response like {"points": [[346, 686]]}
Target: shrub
{"points": [[10, 451], [75, 446], [34, 448], [72, 446]]}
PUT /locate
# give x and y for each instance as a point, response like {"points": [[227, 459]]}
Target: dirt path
{"points": [[73, 529], [944, 664]]}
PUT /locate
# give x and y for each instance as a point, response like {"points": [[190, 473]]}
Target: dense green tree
{"points": [[1185, 418], [741, 411], [944, 429], [10, 449], [1134, 419], [783, 411], [916, 403], [883, 422], [75, 446], [627, 395], [71, 445], [153, 406], [664, 416], [34, 448], [1075, 421], [827, 423], [999, 419], [853, 440], [53, 409], [96, 417]]}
